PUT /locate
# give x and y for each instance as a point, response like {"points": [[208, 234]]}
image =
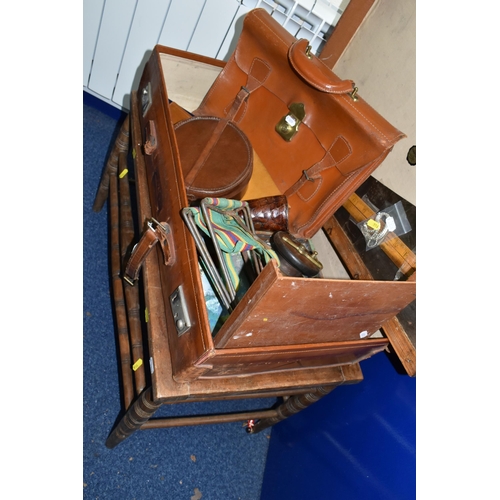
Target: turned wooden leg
{"points": [[132, 300], [121, 145], [118, 294], [139, 413], [290, 407]]}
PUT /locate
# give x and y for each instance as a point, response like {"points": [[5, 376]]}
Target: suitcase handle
{"points": [[155, 232], [315, 72]]}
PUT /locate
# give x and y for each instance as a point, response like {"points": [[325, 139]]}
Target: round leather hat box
{"points": [[216, 157]]}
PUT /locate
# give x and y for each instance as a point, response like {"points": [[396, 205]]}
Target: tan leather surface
{"points": [[261, 183], [216, 157], [284, 311], [193, 353], [177, 113], [339, 142]]}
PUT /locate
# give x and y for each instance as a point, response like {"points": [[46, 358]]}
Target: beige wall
{"points": [[381, 59]]}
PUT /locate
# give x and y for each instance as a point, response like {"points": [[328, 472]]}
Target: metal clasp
{"points": [[153, 224], [310, 179], [179, 309], [163, 234], [128, 280], [288, 126], [303, 251]]}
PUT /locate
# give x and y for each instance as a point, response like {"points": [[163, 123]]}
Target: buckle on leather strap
{"points": [[164, 235], [155, 232], [128, 280], [307, 177], [153, 224]]}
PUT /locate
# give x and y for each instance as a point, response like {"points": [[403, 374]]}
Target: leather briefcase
{"points": [[317, 137], [281, 323]]}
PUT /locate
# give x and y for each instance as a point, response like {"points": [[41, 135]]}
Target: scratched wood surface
{"points": [[302, 311]]}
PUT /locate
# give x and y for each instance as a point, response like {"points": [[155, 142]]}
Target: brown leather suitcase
{"points": [[281, 323]]}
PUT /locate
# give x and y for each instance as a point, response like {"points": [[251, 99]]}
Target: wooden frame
{"points": [[347, 27], [142, 398], [349, 23]]}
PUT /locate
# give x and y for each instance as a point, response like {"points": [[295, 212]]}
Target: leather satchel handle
{"points": [[316, 72]]}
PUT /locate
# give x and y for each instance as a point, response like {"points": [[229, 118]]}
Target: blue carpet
{"points": [[211, 462]]}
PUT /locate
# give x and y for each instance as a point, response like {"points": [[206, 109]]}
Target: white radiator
{"points": [[119, 35]]}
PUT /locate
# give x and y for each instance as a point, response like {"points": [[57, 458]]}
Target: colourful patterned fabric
{"points": [[231, 237]]}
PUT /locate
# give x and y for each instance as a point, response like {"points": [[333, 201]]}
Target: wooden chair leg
{"points": [[127, 235], [139, 413], [121, 145], [290, 407], [118, 294]]}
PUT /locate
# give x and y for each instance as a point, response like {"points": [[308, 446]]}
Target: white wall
{"points": [[381, 59], [119, 35]]}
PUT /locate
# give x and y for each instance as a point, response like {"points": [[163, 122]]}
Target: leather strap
{"points": [[156, 232], [312, 173], [191, 176], [336, 154], [256, 77]]}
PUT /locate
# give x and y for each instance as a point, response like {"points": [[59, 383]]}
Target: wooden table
{"points": [[148, 384]]}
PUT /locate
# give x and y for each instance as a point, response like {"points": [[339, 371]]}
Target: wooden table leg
{"points": [[118, 294], [289, 407], [127, 235], [140, 412], [121, 145]]}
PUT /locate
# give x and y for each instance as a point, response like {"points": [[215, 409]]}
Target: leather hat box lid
{"points": [[216, 157]]}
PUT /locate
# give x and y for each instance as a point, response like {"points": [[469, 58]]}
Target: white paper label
{"points": [[391, 225]]}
